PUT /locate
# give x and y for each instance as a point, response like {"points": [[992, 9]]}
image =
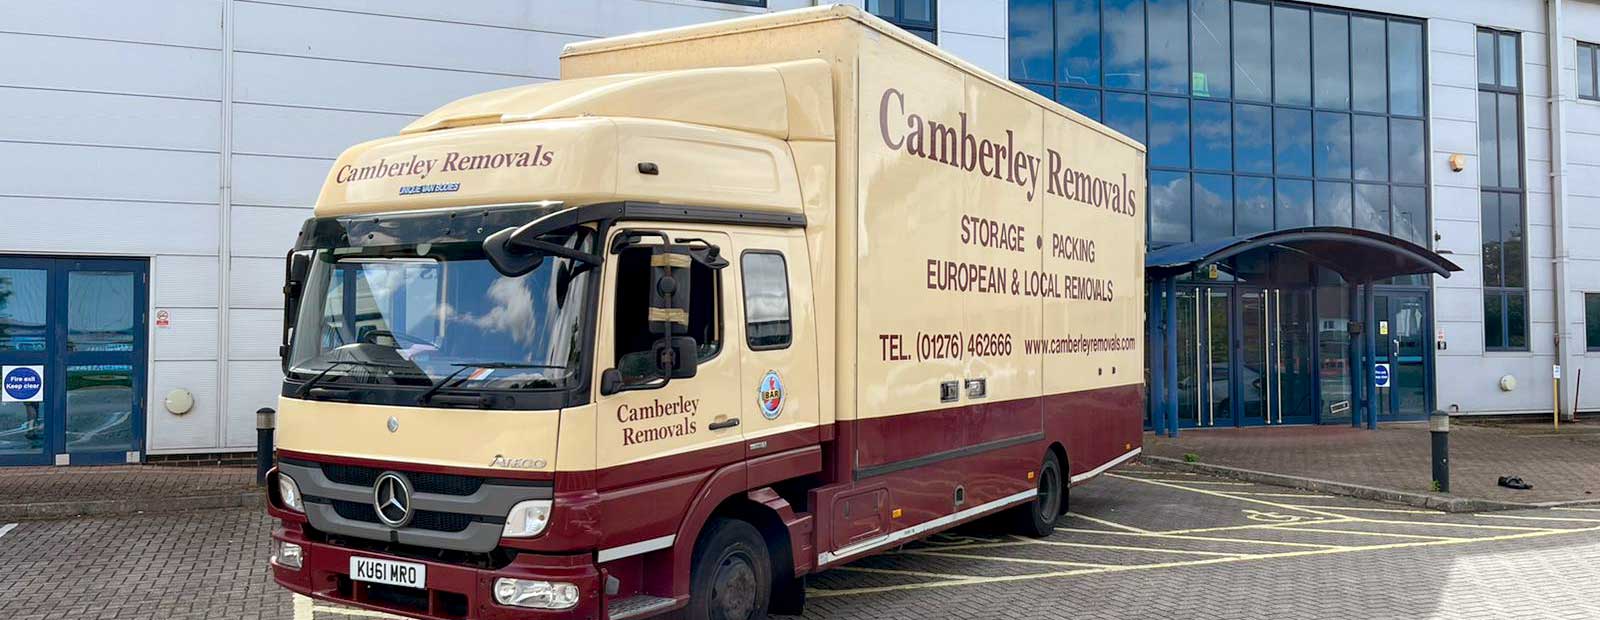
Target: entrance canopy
{"points": [[1356, 255]]}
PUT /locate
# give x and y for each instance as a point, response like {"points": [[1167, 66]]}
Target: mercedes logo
{"points": [[391, 496]]}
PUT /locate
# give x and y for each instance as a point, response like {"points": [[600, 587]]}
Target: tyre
{"points": [[730, 575], [1038, 517]]}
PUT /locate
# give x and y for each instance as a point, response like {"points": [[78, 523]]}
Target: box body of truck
{"points": [[917, 296]]}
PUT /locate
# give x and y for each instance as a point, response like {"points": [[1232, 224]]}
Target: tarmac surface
{"points": [[1140, 543]]}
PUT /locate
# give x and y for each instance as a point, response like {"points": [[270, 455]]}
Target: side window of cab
{"points": [[766, 300], [635, 343]]}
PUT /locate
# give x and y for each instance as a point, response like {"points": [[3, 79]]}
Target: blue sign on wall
{"points": [[22, 384]]}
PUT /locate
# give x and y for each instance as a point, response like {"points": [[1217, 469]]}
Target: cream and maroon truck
{"points": [[725, 306]]}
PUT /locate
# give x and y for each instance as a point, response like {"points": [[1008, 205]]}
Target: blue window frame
{"points": [[1306, 114], [919, 17]]}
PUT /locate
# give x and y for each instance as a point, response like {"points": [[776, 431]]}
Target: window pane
{"points": [[881, 8], [1333, 145], [1493, 275], [1371, 82], [1291, 55], [920, 11], [1213, 129], [1515, 266], [1370, 148], [1169, 49], [1049, 92], [1030, 41], [766, 300], [100, 403], [1508, 60], [1410, 215], [1405, 68], [1125, 113], [1331, 59], [1406, 162], [23, 294], [1485, 57], [1372, 207], [1510, 147], [1078, 41], [1209, 33], [1586, 77], [1169, 207], [1517, 320], [1169, 132], [1083, 100], [1124, 44], [1252, 138], [1494, 335], [1252, 47], [1292, 141], [101, 310], [1213, 206], [1591, 321], [1294, 204], [1252, 206], [1333, 204]]}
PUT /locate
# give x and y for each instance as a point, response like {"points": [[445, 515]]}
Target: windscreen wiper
{"points": [[305, 388], [465, 366]]}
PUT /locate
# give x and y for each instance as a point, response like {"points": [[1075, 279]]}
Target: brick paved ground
{"points": [[1561, 466], [59, 484], [1265, 552]]}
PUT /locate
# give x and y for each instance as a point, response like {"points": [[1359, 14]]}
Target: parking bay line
{"points": [[1202, 538], [6, 529], [1528, 518], [973, 556], [1306, 495], [1363, 533], [1106, 523], [1112, 569], [1059, 543], [896, 571], [1225, 495], [1393, 510], [1262, 526]]}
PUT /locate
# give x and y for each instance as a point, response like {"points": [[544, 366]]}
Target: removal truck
{"points": [[725, 306]]}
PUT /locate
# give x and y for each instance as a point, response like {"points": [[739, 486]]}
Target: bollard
{"points": [[265, 421], [1439, 428]]}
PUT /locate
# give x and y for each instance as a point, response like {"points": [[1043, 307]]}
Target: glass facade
{"points": [[1505, 257], [1258, 115], [919, 17]]}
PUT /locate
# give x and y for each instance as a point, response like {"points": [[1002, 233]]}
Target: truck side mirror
{"points": [[296, 266]]}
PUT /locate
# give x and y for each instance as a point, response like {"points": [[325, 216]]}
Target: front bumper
{"points": [[453, 592]]}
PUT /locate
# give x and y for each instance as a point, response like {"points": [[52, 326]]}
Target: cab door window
{"points": [[766, 300], [635, 343]]}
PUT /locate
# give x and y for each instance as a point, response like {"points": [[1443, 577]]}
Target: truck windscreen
{"points": [[439, 317]]}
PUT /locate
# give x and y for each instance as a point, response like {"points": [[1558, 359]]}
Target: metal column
{"points": [[1156, 329], [1353, 355], [1171, 313], [1371, 336]]}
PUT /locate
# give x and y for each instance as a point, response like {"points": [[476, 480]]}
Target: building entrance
{"points": [[72, 360], [1402, 340], [1245, 356]]}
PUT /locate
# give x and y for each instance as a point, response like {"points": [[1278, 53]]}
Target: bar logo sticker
{"points": [[770, 395]]}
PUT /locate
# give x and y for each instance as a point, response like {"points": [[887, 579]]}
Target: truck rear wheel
{"points": [[731, 576], [1038, 517]]}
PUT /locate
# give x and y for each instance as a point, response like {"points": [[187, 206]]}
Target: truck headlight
{"points": [[527, 519], [289, 492], [289, 555], [535, 594]]}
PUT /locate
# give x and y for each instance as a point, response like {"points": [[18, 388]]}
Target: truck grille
{"points": [[439, 484], [422, 519]]}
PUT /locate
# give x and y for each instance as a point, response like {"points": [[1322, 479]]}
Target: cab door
{"points": [[649, 430], [778, 389]]}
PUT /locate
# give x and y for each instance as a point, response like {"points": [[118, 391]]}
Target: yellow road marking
{"points": [[1393, 510], [1526, 518], [1364, 533], [1211, 482], [1116, 569], [307, 609], [1106, 523], [1057, 543], [972, 556], [1225, 495], [1313, 495], [1204, 538], [1261, 526], [896, 571], [1476, 525], [1578, 509]]}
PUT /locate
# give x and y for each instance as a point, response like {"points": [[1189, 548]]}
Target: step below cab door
{"points": [[778, 382]]}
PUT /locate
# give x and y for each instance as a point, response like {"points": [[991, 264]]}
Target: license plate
{"points": [[388, 572]]}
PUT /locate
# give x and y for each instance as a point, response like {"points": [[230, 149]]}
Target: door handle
{"points": [[729, 423]]}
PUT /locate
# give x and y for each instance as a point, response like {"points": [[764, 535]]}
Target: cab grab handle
{"points": [[729, 423]]}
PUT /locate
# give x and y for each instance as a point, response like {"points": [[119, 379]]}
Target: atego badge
{"points": [[770, 395]]}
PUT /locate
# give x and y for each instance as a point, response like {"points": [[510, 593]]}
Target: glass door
{"points": [[1275, 380], [101, 366], [1402, 344], [26, 348], [1205, 388]]}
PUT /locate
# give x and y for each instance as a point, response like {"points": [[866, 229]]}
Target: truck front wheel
{"points": [[731, 575], [1038, 517]]}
